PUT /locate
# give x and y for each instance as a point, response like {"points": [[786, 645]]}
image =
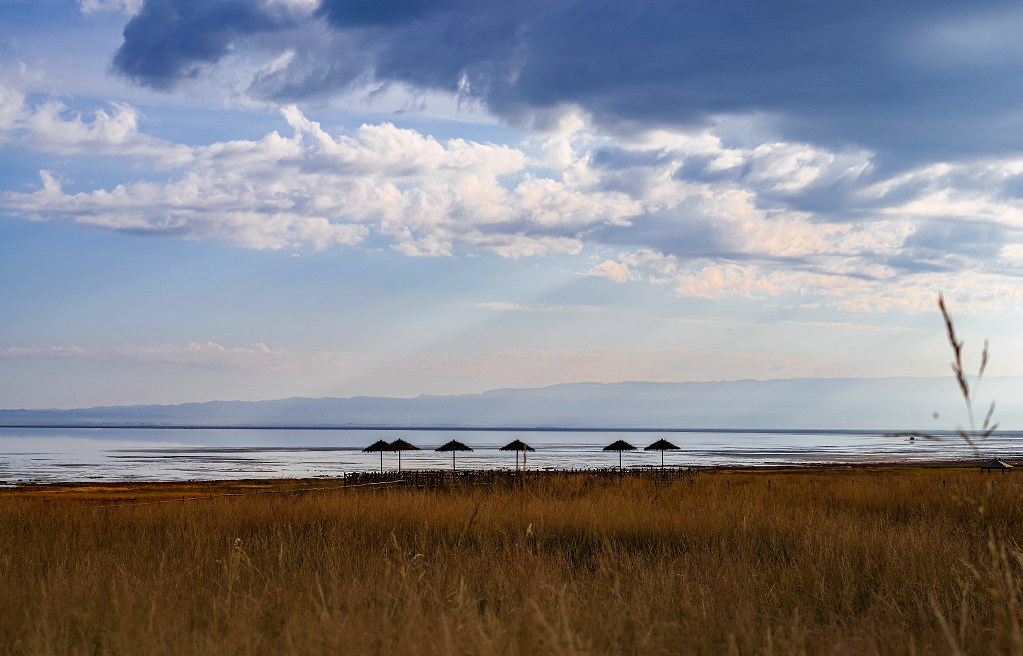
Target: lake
{"points": [[108, 454]]}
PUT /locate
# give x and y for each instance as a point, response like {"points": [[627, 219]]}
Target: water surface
{"points": [[105, 454]]}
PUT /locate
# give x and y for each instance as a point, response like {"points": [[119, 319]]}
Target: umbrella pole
{"points": [[662, 458], [619, 461], [516, 460], [452, 461], [399, 462], [381, 462]]}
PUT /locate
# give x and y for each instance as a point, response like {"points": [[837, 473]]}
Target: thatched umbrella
{"points": [[400, 445], [380, 446], [662, 445], [996, 464], [516, 446], [453, 446], [619, 446]]}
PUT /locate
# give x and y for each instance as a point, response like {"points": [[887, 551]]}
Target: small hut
{"points": [[400, 445], [516, 446], [453, 446], [380, 446], [995, 464], [619, 446]]}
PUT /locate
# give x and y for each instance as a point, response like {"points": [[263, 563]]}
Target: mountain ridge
{"points": [[903, 402]]}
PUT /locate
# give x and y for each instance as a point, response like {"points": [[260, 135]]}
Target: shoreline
{"points": [[142, 491], [880, 432]]}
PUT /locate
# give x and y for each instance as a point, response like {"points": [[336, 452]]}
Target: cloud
{"points": [[196, 207], [207, 355], [315, 190], [870, 74], [129, 7], [169, 40], [617, 271], [678, 208], [11, 106], [51, 128]]}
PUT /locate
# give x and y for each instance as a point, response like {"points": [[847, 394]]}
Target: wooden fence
{"points": [[438, 478]]}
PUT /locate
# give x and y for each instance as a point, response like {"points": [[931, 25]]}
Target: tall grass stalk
{"points": [[970, 435]]}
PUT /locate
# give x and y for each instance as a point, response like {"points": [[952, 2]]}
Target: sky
{"points": [[234, 199]]}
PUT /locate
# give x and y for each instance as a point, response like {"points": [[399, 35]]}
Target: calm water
{"points": [[90, 454]]}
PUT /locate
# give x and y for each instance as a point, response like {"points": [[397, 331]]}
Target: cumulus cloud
{"points": [[870, 74], [785, 217], [679, 208], [312, 189], [52, 128], [617, 271]]}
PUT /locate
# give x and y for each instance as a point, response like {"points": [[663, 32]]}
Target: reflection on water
{"points": [[49, 455]]}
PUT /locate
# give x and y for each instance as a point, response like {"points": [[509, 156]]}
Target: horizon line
{"points": [[530, 429]]}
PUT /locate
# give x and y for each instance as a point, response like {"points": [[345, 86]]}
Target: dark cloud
{"points": [[698, 168], [168, 39], [934, 240], [880, 74]]}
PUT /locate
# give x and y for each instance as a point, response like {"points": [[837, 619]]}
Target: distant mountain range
{"points": [[831, 403]]}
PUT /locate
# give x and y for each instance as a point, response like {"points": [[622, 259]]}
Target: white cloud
{"points": [[790, 167], [193, 208], [207, 355], [129, 7], [315, 190], [683, 209], [52, 128], [12, 103], [716, 281], [294, 7], [617, 271], [108, 133]]}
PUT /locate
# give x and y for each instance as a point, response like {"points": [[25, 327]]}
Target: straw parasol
{"points": [[662, 445], [619, 446], [400, 445], [453, 446], [995, 464], [380, 446], [516, 446]]}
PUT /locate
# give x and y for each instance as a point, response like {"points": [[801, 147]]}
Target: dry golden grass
{"points": [[846, 562]]}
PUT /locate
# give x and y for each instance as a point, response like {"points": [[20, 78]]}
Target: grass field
{"points": [[844, 561]]}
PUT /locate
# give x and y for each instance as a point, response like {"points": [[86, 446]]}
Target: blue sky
{"points": [[248, 200]]}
